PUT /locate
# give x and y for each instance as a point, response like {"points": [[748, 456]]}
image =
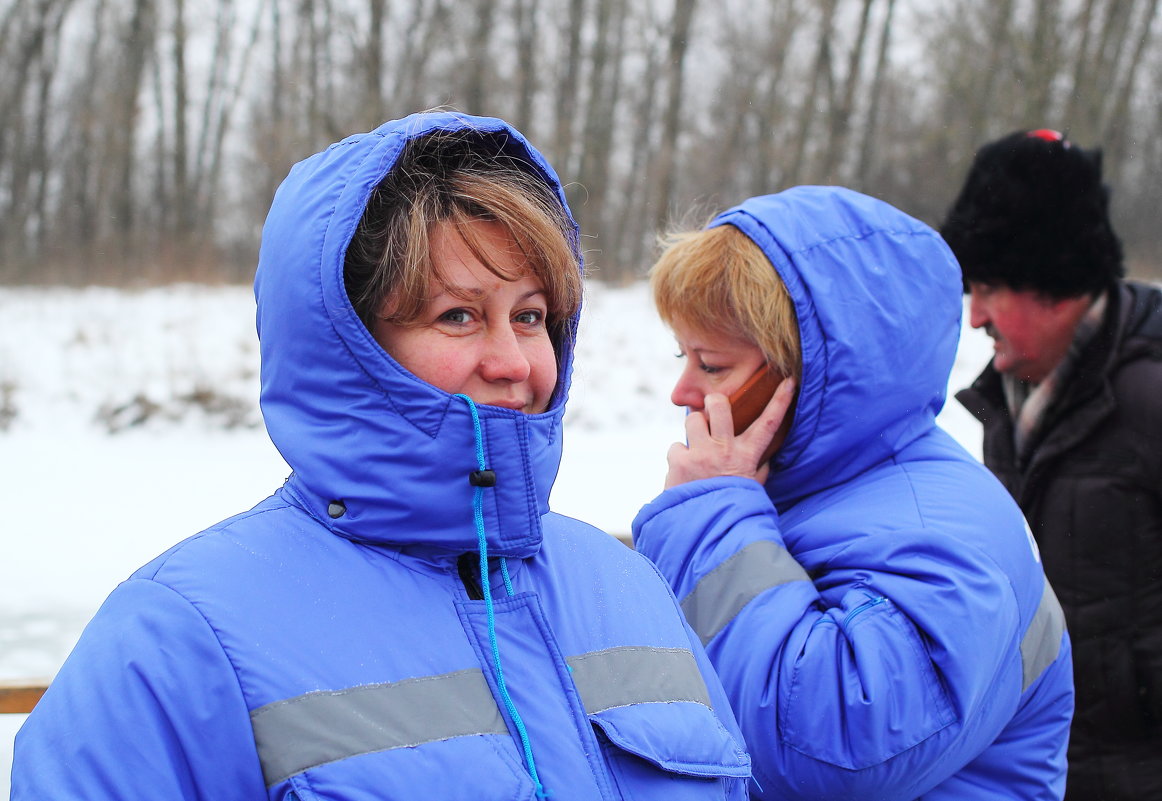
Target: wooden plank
{"points": [[21, 696]]}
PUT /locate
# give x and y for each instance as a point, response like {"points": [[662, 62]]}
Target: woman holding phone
{"points": [[870, 596], [405, 618]]}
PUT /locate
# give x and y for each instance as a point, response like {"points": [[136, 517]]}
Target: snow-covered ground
{"points": [[129, 420]]}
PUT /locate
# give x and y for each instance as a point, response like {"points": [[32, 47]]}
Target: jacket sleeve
{"points": [[858, 680], [147, 706]]}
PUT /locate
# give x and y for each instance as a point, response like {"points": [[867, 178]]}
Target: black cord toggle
{"points": [[482, 478]]}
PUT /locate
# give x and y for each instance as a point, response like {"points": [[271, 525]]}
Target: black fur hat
{"points": [[1034, 214]]}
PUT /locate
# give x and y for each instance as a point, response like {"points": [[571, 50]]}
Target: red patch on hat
{"points": [[1048, 134]]}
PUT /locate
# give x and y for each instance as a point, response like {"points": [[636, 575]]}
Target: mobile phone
{"points": [[748, 401]]}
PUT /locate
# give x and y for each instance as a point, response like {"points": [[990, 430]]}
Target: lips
{"points": [[515, 405]]}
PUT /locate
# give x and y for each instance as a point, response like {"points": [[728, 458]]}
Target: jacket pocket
{"points": [[865, 690], [679, 749], [461, 769]]}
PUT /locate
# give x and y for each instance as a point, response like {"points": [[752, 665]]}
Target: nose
{"points": [[503, 358], [687, 392], [977, 312]]}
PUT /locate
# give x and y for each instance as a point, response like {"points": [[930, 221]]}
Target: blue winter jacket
{"points": [[327, 645], [877, 612]]}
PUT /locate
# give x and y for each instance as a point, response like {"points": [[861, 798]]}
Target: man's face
{"points": [[1031, 332]]}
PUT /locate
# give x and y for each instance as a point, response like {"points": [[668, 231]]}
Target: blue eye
{"points": [[530, 317]]}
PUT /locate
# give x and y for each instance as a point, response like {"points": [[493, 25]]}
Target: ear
{"points": [[1068, 311]]}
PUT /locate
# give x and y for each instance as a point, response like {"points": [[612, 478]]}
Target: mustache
{"points": [[991, 330]]}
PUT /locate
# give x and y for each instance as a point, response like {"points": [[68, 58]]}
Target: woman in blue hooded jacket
{"points": [[404, 618], [871, 597]]}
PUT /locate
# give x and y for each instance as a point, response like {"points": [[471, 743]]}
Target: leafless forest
{"points": [[141, 140]]}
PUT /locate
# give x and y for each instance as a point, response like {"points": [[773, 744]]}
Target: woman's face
{"points": [[714, 363], [495, 347]]}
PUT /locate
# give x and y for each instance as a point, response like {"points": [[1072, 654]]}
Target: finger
{"points": [[716, 406], [772, 416], [674, 473], [697, 428]]}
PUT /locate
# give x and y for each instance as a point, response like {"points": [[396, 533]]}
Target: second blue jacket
{"points": [[878, 611]]}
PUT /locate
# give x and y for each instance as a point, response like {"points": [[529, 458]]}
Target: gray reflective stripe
{"points": [[1042, 641], [637, 675], [321, 727], [725, 590]]}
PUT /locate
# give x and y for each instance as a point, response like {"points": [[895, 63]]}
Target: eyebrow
{"points": [[476, 293], [701, 351]]}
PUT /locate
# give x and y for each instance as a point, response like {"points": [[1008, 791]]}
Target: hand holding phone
{"points": [[704, 456], [748, 401]]}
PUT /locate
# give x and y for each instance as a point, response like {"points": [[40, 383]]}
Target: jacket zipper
{"points": [[466, 566], [866, 605]]}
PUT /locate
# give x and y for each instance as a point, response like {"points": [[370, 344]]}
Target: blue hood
{"points": [[353, 424], [878, 299]]}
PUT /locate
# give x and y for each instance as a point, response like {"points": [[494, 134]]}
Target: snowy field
{"points": [[129, 420]]}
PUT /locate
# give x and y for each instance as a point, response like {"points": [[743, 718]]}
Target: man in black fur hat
{"points": [[1072, 411]]}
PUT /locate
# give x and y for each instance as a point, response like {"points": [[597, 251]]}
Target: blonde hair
{"points": [[718, 280], [458, 178]]}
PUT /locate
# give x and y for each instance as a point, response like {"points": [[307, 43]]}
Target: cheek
{"points": [[443, 367], [542, 369]]}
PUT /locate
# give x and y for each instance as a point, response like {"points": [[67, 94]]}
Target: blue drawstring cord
{"points": [[478, 514]]}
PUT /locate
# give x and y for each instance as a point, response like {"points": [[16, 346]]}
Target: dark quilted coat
{"points": [[1091, 489]]}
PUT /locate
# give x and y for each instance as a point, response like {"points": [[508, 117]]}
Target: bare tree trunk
{"points": [[480, 60], [39, 163], [426, 29], [211, 109], [526, 60], [871, 127], [182, 197], [373, 61], [1043, 60], [82, 210], [992, 68], [1079, 96], [1115, 125], [841, 114], [308, 45], [23, 147], [672, 115], [636, 199], [221, 125], [1113, 36], [583, 194], [163, 211], [597, 145], [567, 87], [31, 33], [276, 64], [772, 106], [139, 41], [821, 68]]}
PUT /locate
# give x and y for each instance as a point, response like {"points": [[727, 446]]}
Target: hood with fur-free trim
{"points": [[878, 299], [378, 455]]}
